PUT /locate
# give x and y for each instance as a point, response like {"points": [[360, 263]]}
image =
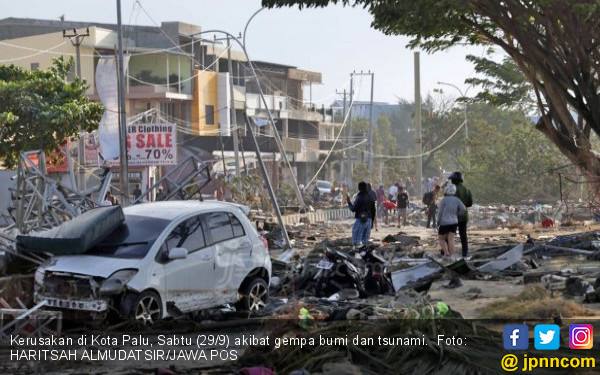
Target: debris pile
{"points": [[529, 216], [382, 346]]}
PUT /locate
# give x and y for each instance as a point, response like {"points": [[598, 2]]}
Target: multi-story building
{"points": [[185, 78]]}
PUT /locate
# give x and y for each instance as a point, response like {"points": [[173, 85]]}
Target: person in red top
{"points": [[387, 206]]}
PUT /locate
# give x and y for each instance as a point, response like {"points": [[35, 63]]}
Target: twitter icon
{"points": [[547, 337]]}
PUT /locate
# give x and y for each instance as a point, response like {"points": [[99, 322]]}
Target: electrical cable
{"points": [[38, 52], [417, 155], [336, 139]]}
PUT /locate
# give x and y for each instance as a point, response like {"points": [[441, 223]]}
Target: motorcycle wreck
{"points": [[340, 272]]}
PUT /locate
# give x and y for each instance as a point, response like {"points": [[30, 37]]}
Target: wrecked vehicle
{"points": [[338, 270], [164, 259]]}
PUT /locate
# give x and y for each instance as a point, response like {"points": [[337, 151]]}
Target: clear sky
{"points": [[333, 40]]}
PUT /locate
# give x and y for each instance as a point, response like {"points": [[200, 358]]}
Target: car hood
{"points": [[90, 265]]}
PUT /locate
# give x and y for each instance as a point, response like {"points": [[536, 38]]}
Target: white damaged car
{"points": [[166, 258]]}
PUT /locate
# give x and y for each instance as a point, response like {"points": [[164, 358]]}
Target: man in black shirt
{"points": [[362, 207], [402, 205]]}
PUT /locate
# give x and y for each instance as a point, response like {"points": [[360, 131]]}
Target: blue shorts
{"points": [[361, 232]]}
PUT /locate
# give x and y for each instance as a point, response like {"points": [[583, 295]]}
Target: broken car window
{"points": [[132, 239]]}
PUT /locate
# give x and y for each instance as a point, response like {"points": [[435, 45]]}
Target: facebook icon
{"points": [[516, 337]]}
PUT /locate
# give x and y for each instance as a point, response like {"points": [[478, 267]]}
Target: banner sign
{"points": [[151, 144], [106, 86]]}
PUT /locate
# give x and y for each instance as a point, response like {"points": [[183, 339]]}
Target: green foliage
{"points": [[384, 140], [509, 160], [40, 110], [286, 195], [505, 159], [502, 84]]}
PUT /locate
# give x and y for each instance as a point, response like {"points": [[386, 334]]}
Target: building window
{"points": [[209, 110], [35, 67], [167, 109]]}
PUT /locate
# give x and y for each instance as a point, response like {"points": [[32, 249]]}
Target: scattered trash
{"points": [[411, 277], [505, 260]]}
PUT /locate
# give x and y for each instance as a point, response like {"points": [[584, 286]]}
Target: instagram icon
{"points": [[581, 336]]}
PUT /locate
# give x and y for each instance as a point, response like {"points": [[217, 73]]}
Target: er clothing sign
{"points": [[151, 144]]}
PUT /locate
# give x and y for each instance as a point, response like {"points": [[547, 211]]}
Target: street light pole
{"points": [[276, 136], [76, 39], [465, 114], [464, 107], [275, 133]]}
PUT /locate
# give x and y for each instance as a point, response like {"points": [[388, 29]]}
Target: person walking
{"points": [[362, 207], [451, 208], [430, 200], [465, 197], [373, 196], [402, 205], [137, 192], [160, 195], [393, 193]]}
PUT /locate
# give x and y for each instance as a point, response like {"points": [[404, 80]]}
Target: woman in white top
{"points": [[450, 208]]}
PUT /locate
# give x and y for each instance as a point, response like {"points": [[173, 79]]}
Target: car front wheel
{"points": [[146, 308], [255, 295]]}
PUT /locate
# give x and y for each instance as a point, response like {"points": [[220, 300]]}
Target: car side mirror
{"points": [[177, 253]]}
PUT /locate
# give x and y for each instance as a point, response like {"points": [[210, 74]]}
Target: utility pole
{"points": [[350, 161], [76, 38], [345, 159], [370, 155], [122, 118], [418, 139], [236, 146]]}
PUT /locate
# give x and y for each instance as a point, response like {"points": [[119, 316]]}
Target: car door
{"points": [[233, 251], [189, 281]]}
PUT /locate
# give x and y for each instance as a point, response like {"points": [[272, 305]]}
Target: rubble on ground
{"points": [[554, 276]]}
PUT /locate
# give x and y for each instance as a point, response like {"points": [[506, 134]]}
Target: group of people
{"points": [[451, 214], [397, 199]]}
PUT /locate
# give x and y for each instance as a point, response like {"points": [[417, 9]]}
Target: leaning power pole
{"points": [[350, 152], [76, 38], [345, 159], [122, 118]]}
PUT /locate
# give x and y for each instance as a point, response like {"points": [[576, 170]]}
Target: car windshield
{"points": [[132, 239], [324, 184]]}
